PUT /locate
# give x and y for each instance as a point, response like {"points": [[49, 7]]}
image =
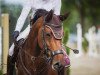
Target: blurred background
{"points": [[82, 32]]}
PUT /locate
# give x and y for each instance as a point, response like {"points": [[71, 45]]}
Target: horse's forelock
{"points": [[56, 20]]}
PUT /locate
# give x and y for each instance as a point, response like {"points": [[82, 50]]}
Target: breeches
{"points": [[23, 34]]}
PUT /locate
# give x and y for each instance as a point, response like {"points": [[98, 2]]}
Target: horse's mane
{"points": [[38, 14]]}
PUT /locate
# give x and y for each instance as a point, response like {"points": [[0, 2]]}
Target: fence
{"points": [[93, 38], [4, 42], [0, 44]]}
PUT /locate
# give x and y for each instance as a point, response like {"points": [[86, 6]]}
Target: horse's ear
{"points": [[64, 17], [49, 16]]}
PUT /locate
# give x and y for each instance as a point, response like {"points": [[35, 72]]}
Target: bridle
{"points": [[45, 47], [47, 50]]}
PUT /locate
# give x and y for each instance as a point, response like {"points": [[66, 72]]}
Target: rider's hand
{"points": [[15, 34]]}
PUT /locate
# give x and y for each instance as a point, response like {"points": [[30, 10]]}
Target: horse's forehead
{"points": [[56, 20], [57, 31], [56, 27]]}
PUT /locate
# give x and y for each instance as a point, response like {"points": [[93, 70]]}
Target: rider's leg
{"points": [[12, 53], [23, 34]]}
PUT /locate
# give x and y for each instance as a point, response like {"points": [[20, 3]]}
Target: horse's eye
{"points": [[48, 34]]}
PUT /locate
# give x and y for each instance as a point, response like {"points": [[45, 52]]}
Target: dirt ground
{"points": [[85, 65]]}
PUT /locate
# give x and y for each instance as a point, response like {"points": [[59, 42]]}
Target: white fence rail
{"points": [[93, 38], [0, 45]]}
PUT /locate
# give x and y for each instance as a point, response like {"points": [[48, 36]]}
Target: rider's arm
{"points": [[57, 7], [20, 22]]}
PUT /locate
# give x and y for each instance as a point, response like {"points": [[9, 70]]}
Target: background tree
{"points": [[86, 12]]}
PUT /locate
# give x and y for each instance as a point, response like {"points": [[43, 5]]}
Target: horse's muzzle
{"points": [[58, 66], [63, 62], [66, 61]]}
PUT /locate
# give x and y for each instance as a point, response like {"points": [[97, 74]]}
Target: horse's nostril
{"points": [[58, 65]]}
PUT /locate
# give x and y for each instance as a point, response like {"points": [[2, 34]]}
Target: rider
{"points": [[33, 5], [30, 5]]}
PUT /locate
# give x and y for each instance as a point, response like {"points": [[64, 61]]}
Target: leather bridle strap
{"points": [[24, 67], [57, 52], [45, 48], [43, 38]]}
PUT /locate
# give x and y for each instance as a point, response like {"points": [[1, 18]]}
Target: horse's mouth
{"points": [[64, 63], [57, 66]]}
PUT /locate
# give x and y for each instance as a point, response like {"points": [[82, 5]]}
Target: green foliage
{"points": [[68, 71], [84, 11], [66, 36], [73, 17], [85, 45], [1, 72], [67, 50], [65, 40]]}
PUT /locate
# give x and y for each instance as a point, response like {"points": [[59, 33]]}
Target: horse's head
{"points": [[50, 34]]}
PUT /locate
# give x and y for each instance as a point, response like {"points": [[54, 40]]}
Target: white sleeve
{"points": [[57, 7], [20, 22]]}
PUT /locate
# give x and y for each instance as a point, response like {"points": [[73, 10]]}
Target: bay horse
{"points": [[43, 52]]}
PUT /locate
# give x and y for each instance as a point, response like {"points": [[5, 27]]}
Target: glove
{"points": [[15, 34]]}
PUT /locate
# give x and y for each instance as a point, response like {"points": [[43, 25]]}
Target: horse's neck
{"points": [[32, 42], [32, 36]]}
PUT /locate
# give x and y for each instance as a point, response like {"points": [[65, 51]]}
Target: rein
{"points": [[32, 59]]}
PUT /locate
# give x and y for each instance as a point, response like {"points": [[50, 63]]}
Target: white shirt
{"points": [[34, 5]]}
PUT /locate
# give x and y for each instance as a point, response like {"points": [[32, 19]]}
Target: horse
{"points": [[42, 52]]}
